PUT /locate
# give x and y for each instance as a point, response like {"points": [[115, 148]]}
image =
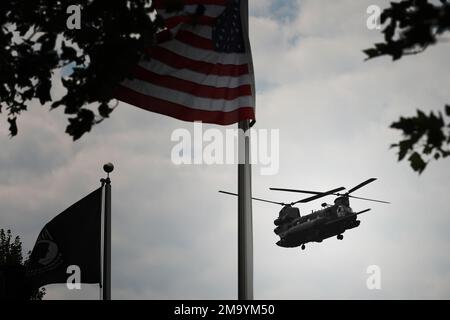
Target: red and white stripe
{"points": [[186, 79]]}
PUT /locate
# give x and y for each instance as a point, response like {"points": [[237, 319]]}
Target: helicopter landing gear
{"points": [[340, 237], [303, 247]]}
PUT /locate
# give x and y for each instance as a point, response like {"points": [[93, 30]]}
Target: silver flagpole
{"points": [[107, 235], [245, 228]]}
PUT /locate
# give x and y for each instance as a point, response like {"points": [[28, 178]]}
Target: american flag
{"points": [[201, 67]]}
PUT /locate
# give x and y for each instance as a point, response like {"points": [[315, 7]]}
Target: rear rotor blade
{"points": [[358, 213], [368, 199], [323, 194], [361, 185], [258, 199], [347, 217]]}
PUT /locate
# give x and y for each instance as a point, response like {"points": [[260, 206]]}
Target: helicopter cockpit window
{"points": [[340, 211]]}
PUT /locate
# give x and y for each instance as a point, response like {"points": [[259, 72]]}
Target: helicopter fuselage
{"points": [[317, 226], [333, 220]]}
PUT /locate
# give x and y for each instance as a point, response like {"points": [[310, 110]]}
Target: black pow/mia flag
{"points": [[71, 238]]}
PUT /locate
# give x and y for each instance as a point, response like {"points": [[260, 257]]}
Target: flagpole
{"points": [[108, 168], [245, 228]]}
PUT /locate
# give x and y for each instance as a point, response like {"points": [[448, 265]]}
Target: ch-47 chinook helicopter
{"points": [[332, 220]]}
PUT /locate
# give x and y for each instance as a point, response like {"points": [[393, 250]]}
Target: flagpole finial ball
{"points": [[109, 167]]}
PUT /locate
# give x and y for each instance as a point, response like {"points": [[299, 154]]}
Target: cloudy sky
{"points": [[175, 237]]}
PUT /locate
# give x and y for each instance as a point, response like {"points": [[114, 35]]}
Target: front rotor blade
{"points": [[294, 190], [258, 199], [361, 185], [319, 195], [269, 201], [369, 199], [230, 193]]}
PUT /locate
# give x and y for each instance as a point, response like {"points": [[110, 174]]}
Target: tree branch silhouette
{"points": [[35, 42], [411, 26]]}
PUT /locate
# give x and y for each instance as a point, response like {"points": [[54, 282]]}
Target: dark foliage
{"points": [[11, 258], [410, 27], [425, 137], [35, 41]]}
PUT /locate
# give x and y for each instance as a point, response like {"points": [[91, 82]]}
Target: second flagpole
{"points": [[106, 281]]}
